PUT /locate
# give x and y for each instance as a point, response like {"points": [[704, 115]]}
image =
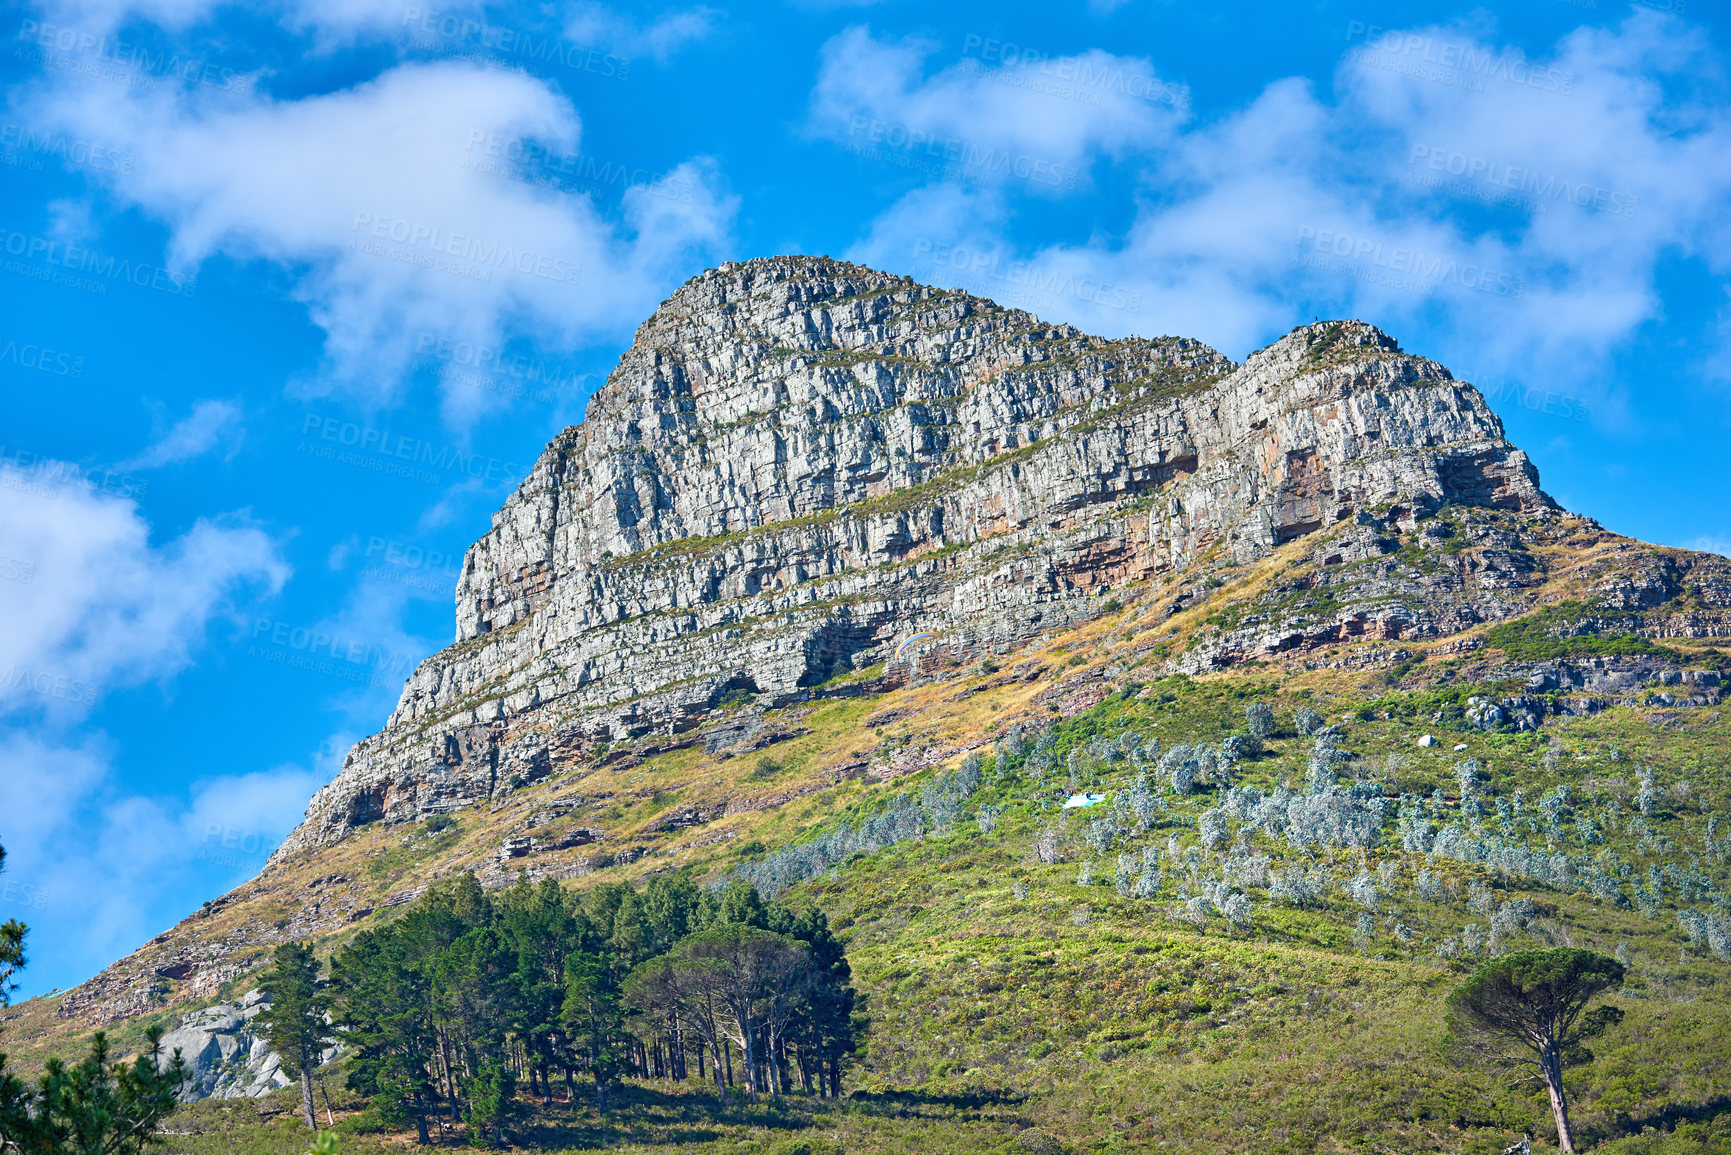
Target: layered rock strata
{"points": [[801, 463]]}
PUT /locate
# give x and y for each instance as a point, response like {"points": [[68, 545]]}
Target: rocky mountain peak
{"points": [[800, 462]]}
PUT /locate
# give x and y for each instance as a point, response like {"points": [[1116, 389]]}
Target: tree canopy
{"points": [[294, 1020], [468, 995], [1527, 1012]]}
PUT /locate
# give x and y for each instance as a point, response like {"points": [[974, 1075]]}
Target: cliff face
{"points": [[800, 463]]}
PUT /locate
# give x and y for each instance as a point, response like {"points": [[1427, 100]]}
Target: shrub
{"points": [[1545, 636], [1259, 719], [1212, 826]]}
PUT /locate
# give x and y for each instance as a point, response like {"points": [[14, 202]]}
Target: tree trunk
{"points": [[450, 1082], [421, 1135], [750, 1056], [307, 1096], [1559, 1107], [600, 1094]]}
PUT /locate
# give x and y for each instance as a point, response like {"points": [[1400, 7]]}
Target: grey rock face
{"points": [[799, 463], [226, 1058]]}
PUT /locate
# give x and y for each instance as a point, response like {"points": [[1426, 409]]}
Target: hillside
{"points": [[685, 644]]}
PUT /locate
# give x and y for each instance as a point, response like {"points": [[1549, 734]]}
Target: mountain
{"points": [[825, 529], [799, 463]]}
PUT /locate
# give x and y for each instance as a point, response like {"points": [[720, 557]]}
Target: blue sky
{"points": [[293, 294]]}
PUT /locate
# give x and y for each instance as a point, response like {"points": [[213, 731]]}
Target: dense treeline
{"points": [[451, 1009]]}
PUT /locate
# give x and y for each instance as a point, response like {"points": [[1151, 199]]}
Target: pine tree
{"points": [[593, 1015], [1527, 1012], [11, 949], [294, 1022], [827, 1029]]}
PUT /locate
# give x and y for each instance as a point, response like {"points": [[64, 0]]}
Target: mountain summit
{"points": [[801, 462]]}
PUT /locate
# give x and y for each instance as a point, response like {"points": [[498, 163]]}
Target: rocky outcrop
{"points": [[226, 1058], [800, 463]]}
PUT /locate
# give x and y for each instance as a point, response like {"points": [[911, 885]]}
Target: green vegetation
{"points": [[466, 1000], [1246, 944], [294, 1021], [1527, 1011], [95, 1106], [1550, 634]]}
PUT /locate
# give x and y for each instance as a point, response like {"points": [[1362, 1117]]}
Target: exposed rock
{"points": [[226, 1058], [801, 462]]}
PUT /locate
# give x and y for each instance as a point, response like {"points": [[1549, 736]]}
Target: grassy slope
{"points": [[1098, 1019]]}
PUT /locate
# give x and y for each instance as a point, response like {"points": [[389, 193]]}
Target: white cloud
{"points": [[93, 603], [95, 870], [396, 207], [210, 424], [595, 24], [1037, 123], [1294, 198]]}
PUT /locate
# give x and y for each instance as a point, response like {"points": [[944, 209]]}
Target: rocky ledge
{"points": [[801, 463]]}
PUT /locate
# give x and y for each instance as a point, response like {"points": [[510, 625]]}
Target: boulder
{"points": [[226, 1058]]}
